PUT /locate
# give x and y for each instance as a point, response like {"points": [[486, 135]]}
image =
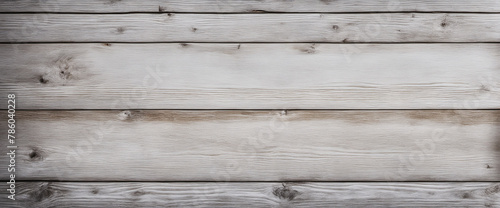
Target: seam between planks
{"points": [[276, 109], [259, 12], [288, 181], [244, 42]]}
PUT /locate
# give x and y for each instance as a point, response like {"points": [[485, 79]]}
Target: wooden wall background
{"points": [[253, 103]]}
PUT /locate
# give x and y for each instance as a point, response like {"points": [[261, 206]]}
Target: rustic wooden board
{"points": [[60, 194], [169, 27], [429, 145], [92, 6], [251, 76]]}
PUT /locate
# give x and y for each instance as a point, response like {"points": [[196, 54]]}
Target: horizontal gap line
{"points": [[290, 181], [256, 12], [277, 109], [243, 42]]}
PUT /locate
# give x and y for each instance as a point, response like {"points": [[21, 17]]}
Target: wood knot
{"points": [[285, 192], [184, 44], [444, 22], [120, 30], [44, 192], [162, 9], [66, 67], [43, 80], [62, 70], [36, 154], [345, 40], [466, 195], [492, 190], [335, 27], [138, 193], [94, 191], [125, 115], [283, 113], [485, 88], [310, 50]]}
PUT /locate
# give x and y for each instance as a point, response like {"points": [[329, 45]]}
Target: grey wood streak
{"points": [[432, 145], [251, 76], [122, 195], [171, 27], [91, 6]]}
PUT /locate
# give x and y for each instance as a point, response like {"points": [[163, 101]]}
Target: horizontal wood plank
{"points": [[169, 27], [63, 194], [93, 6], [428, 145], [251, 76]]}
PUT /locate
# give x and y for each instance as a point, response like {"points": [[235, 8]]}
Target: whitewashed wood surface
{"points": [[109, 6], [432, 145], [251, 76], [380, 195], [126, 103], [168, 27]]}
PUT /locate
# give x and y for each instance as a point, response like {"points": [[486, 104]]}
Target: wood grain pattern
{"points": [[251, 76], [257, 145], [168, 27], [322, 56], [92, 6], [122, 195]]}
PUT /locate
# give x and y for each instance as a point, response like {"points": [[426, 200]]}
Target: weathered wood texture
{"points": [[397, 27], [57, 194], [251, 76], [91, 6], [432, 145]]}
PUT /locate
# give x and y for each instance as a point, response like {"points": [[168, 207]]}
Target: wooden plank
{"points": [[251, 76], [93, 6], [64, 194], [168, 27], [428, 145]]}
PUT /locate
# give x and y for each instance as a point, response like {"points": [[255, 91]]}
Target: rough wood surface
{"points": [[91, 6], [57, 194], [251, 76], [170, 27], [432, 145]]}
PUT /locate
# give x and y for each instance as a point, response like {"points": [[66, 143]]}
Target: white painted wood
{"points": [[91, 6], [251, 76], [394, 27], [379, 195], [432, 145]]}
